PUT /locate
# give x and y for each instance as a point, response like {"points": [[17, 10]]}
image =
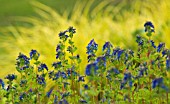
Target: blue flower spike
{"points": [[160, 47], [158, 82], [92, 47], [34, 54], [149, 28], [107, 48], [91, 69], [2, 83], [23, 62], [153, 44], [11, 77], [63, 36], [42, 66]]}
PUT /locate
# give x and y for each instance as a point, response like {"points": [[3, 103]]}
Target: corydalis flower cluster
{"points": [[116, 74]]}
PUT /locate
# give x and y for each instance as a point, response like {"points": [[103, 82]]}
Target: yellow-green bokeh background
{"points": [[33, 24]]}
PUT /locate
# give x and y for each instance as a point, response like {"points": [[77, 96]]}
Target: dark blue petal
{"points": [[160, 46], [91, 69], [92, 47], [2, 83], [49, 92], [153, 43], [86, 86], [148, 23], [81, 78]]}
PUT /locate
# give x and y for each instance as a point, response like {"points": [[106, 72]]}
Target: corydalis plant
{"points": [[116, 76]]}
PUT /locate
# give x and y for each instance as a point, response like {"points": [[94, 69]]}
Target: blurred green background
{"points": [[35, 24]]}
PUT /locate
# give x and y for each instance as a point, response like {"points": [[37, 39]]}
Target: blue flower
{"points": [[91, 69], [140, 42], [86, 86], [160, 46], [30, 90], [63, 75], [148, 25], [23, 58], [34, 54], [127, 78], [107, 46], [11, 77], [2, 83], [115, 51], [71, 30], [119, 53], [142, 71], [101, 61], [42, 67], [157, 82], [69, 71], [56, 75], [22, 96], [153, 43], [81, 78], [41, 80], [56, 65], [92, 47], [130, 83], [165, 87], [49, 92], [164, 52], [22, 62], [63, 35], [63, 101]]}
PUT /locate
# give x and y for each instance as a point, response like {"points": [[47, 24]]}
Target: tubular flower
{"points": [[127, 78], [92, 47], [158, 82], [101, 61], [41, 80], [2, 83], [49, 92], [119, 53], [160, 46], [42, 67], [152, 43], [149, 27], [107, 47], [91, 69], [34, 54], [22, 62], [11, 77]]}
